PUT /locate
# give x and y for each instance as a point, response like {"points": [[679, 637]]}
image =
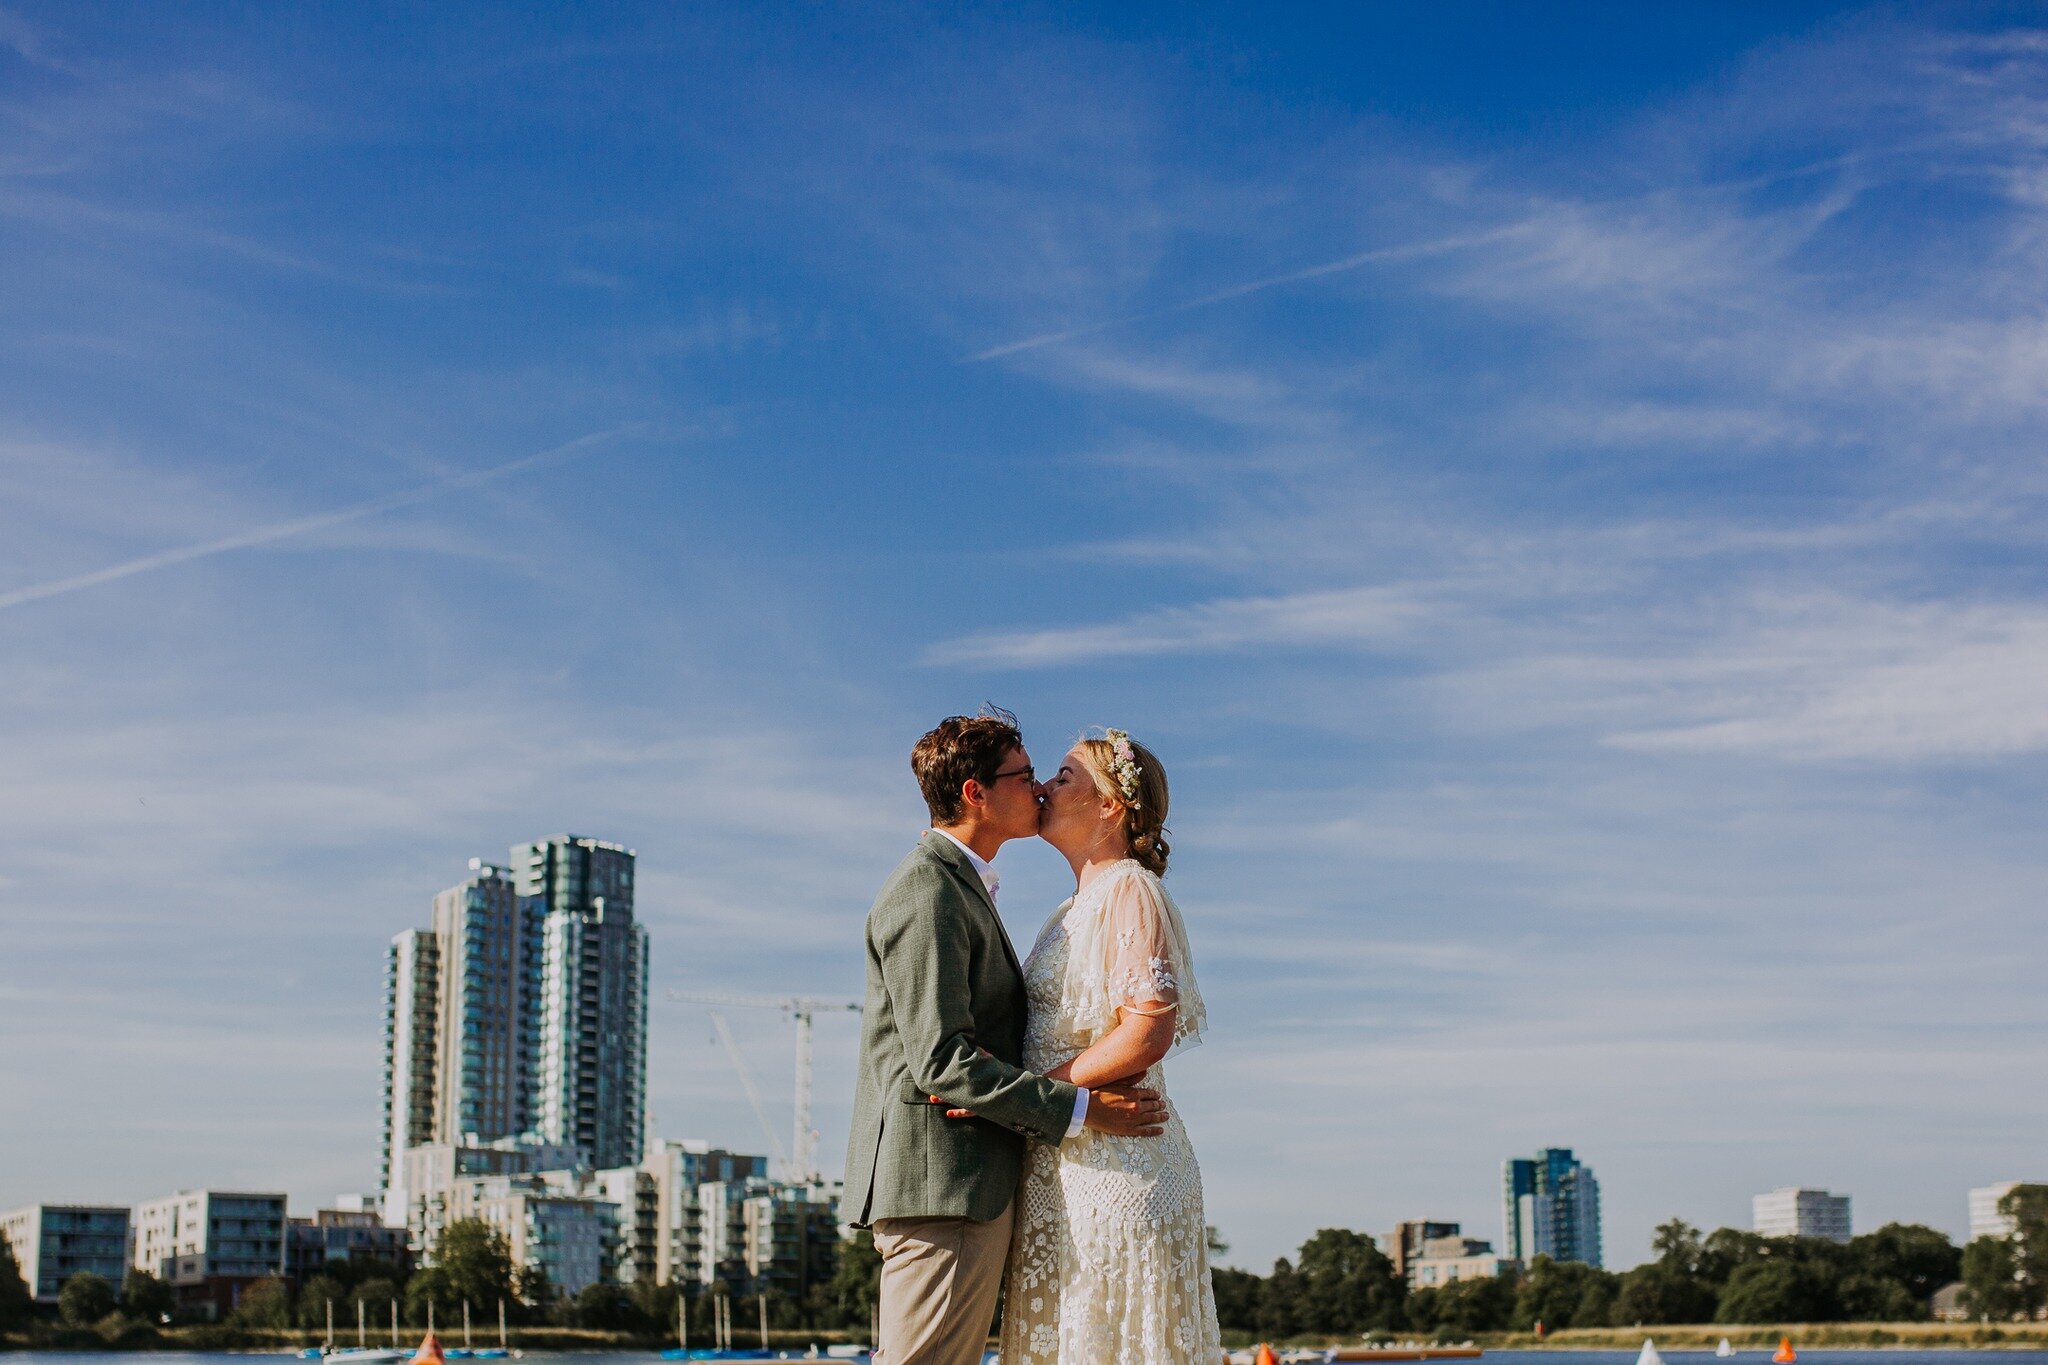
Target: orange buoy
{"points": [[1265, 1356], [1786, 1355], [430, 1352]]}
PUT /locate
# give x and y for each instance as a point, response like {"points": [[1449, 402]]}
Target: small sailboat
{"points": [[1724, 1350], [1784, 1355], [1648, 1355]]}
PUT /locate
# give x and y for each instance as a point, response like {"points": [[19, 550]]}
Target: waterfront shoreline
{"points": [[1929, 1336], [211, 1338], [1819, 1336]]}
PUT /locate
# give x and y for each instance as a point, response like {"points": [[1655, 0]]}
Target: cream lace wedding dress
{"points": [[1109, 1261]]}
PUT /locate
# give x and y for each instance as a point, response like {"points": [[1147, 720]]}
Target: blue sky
{"points": [[1560, 487]]}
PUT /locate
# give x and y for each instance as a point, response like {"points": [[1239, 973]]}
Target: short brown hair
{"points": [[959, 749], [1143, 825]]}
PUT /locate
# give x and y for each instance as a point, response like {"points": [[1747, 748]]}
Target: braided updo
{"points": [[1143, 823]]}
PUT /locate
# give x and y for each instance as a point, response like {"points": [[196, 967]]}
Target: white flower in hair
{"points": [[1123, 764]]}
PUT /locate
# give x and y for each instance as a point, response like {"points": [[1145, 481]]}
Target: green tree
{"points": [[850, 1297], [473, 1265], [376, 1295], [1678, 1247], [1280, 1302], [475, 1262], [1556, 1293], [146, 1298], [84, 1299], [1237, 1298], [315, 1296], [1991, 1279], [1918, 1259], [2027, 1206], [1662, 1292], [17, 1304], [1778, 1290], [1724, 1250], [429, 1294], [1596, 1304], [1463, 1308], [656, 1305], [1876, 1298], [606, 1308], [266, 1303], [1348, 1285]]}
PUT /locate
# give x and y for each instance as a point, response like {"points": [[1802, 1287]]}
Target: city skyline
{"points": [[1558, 490]]}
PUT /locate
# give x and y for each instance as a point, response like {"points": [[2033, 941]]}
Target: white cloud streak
{"points": [[298, 526], [1350, 616], [1376, 256]]}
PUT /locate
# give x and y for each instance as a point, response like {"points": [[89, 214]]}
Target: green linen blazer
{"points": [[944, 1016]]}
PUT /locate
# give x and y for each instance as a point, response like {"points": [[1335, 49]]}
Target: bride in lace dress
{"points": [[1109, 1259]]}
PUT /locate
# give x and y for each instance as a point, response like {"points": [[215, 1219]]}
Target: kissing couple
{"points": [[1011, 1131]]}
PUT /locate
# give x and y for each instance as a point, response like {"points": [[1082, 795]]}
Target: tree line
{"points": [[1342, 1284]]}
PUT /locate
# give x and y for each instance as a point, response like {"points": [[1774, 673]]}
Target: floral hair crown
{"points": [[1123, 764]]}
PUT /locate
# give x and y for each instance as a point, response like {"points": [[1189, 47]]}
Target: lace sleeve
{"points": [[1133, 951]]}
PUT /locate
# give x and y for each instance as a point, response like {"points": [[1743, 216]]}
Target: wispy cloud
{"points": [[1350, 616], [1376, 256], [1869, 681], [285, 530], [27, 42]]}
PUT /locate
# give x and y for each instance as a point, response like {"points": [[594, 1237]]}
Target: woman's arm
{"points": [[1143, 1034]]}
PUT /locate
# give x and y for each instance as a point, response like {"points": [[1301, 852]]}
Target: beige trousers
{"points": [[940, 1281]]}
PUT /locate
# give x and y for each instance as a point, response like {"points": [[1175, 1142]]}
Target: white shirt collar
{"points": [[983, 868]]}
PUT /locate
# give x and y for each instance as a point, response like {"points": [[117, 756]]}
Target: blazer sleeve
{"points": [[925, 961]]}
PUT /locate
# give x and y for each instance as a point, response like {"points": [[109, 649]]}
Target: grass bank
{"points": [[1703, 1336], [1929, 1336]]}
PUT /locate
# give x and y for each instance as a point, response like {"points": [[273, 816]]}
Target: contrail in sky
{"points": [[1363, 258], [264, 535]]}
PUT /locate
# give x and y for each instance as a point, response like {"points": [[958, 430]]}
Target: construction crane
{"points": [[803, 1154]]}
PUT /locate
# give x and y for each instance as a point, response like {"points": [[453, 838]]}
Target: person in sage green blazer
{"points": [[942, 1108]]}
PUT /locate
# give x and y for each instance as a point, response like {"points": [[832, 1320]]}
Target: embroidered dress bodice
{"points": [[1109, 1260]]}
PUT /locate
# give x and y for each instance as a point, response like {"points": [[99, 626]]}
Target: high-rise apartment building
{"points": [[412, 994], [460, 1030], [490, 956], [1985, 1219], [1550, 1206], [521, 1014], [1793, 1212], [53, 1242], [591, 1084]]}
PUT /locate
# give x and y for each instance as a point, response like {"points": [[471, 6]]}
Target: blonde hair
{"points": [[1144, 820]]}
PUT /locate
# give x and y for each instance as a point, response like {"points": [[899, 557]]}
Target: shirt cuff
{"points": [[1080, 1112]]}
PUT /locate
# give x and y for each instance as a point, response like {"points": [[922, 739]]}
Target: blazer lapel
{"points": [[946, 852]]}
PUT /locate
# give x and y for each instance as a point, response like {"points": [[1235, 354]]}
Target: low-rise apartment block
{"points": [[53, 1242], [331, 1237], [1404, 1244], [209, 1245], [1795, 1212], [1446, 1260]]}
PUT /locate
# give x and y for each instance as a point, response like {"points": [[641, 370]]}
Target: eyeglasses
{"points": [[1027, 772]]}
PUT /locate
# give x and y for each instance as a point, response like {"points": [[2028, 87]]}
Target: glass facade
{"points": [[1550, 1206], [53, 1242], [592, 1008]]}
